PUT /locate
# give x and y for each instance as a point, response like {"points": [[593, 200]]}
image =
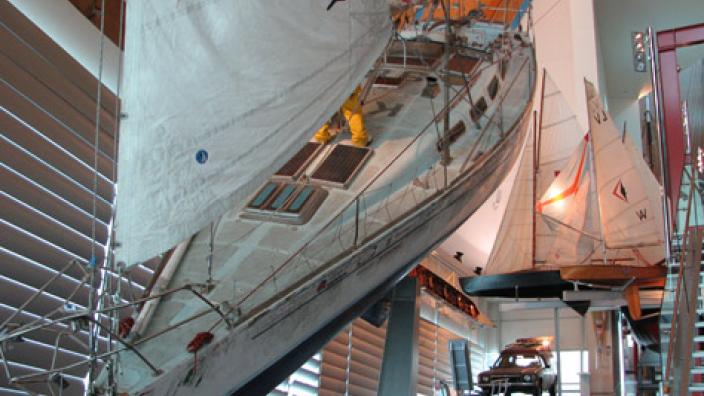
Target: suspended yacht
{"points": [[279, 263], [584, 210]]}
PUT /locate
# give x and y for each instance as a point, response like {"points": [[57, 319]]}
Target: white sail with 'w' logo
{"points": [[629, 194]]}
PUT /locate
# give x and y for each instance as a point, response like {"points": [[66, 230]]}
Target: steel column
{"points": [[399, 369], [556, 317]]}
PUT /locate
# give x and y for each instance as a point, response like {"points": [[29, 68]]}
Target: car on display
{"points": [[522, 367]]}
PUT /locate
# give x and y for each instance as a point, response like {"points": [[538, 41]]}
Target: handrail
{"points": [[679, 283]]}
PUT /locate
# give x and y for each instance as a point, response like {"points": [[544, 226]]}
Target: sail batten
{"points": [[214, 106]]}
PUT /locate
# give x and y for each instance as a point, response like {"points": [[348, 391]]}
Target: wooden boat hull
{"points": [[652, 276]]}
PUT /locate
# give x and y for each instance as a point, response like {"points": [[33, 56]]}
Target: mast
{"points": [[536, 160], [446, 100], [593, 174], [535, 172]]}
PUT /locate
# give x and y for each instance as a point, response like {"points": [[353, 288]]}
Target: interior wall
{"points": [[522, 323], [565, 41]]}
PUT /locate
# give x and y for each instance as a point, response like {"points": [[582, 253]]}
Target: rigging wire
{"points": [[97, 270], [115, 291]]}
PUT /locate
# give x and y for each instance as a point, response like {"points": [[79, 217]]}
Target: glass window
{"points": [[478, 109], [570, 368], [493, 87], [519, 360], [504, 68]]}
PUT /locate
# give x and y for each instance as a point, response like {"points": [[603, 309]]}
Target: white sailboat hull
{"points": [[229, 363]]}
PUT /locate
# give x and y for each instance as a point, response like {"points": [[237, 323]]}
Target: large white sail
{"points": [[218, 95], [560, 134], [628, 191], [512, 249]]}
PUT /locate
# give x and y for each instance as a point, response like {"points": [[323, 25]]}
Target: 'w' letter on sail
{"points": [[218, 95]]}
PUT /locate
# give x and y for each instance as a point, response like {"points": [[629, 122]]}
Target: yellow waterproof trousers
{"points": [[352, 111]]}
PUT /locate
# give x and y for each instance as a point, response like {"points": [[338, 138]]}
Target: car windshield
{"points": [[518, 360]]}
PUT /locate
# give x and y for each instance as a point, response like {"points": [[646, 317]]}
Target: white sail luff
{"points": [[203, 82]]}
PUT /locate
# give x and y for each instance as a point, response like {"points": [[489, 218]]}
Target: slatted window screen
{"points": [[351, 366], [434, 364], [352, 361], [303, 382], [47, 154]]}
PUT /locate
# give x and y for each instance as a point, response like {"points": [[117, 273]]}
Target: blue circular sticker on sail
{"points": [[202, 156]]}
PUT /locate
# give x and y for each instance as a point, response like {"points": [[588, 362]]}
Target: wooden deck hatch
{"points": [[390, 80], [299, 162], [341, 165], [462, 64]]}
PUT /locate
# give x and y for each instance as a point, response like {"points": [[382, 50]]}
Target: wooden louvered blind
{"points": [[433, 357], [47, 135], [303, 382], [434, 363], [351, 362]]}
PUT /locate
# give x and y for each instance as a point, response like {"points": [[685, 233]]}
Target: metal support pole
{"points": [[356, 222], [583, 338], [662, 152], [399, 368], [556, 317], [617, 356]]}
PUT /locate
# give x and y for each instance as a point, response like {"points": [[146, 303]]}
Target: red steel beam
{"points": [[443, 290], [668, 42]]}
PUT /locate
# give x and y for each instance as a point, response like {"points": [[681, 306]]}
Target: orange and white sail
{"points": [[561, 147], [565, 207], [562, 192], [573, 242]]}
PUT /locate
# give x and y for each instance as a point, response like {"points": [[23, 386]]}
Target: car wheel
{"points": [[538, 391], [553, 388]]}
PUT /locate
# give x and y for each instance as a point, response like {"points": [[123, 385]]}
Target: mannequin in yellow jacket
{"points": [[352, 110]]}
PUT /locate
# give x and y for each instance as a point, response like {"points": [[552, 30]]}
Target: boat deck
{"points": [[256, 264]]}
